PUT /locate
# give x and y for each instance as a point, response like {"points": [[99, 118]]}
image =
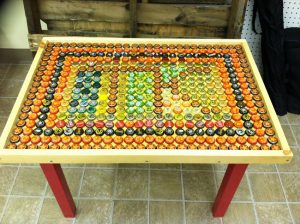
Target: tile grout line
{"points": [[114, 192], [182, 195], [152, 200], [7, 69], [292, 131], [157, 169], [42, 203], [285, 123], [216, 185], [284, 193], [148, 191], [287, 120], [79, 191], [18, 80], [8, 97], [252, 198], [81, 181], [296, 124], [9, 193], [9, 165], [294, 135]]}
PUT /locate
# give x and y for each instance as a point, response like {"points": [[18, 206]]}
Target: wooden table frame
{"points": [[50, 159]]}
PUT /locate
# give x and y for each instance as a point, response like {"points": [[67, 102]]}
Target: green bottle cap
{"points": [[62, 116], [217, 117], [81, 110], [91, 110], [120, 116], [130, 110], [81, 117], [72, 110], [140, 110]]}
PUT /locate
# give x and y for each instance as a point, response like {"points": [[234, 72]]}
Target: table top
{"points": [[120, 100]]}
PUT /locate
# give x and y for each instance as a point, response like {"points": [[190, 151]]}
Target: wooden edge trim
{"points": [[142, 156]]}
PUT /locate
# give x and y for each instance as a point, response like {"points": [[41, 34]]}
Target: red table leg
{"points": [[60, 189], [230, 183]]}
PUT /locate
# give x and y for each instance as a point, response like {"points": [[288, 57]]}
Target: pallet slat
{"points": [[133, 18], [236, 19], [90, 26], [182, 31], [160, 30], [185, 14], [32, 15], [189, 15], [147, 31], [216, 2]]}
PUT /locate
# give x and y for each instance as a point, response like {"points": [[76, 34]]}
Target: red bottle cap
{"points": [[60, 124], [80, 124], [209, 124], [139, 124], [169, 124], [120, 124], [149, 123], [219, 124], [99, 124]]}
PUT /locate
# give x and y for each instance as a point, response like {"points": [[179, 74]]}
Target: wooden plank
{"points": [[92, 26], [143, 156], [133, 18], [34, 41], [32, 16], [236, 18], [208, 15], [181, 31], [84, 33], [84, 10], [216, 2], [149, 29], [144, 31], [107, 0], [189, 15]]}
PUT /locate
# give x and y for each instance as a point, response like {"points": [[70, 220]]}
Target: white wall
{"points": [[13, 26]]}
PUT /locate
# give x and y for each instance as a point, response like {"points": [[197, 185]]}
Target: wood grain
{"points": [[216, 2], [236, 18], [154, 29], [133, 18], [189, 14], [64, 28], [32, 16], [91, 26]]}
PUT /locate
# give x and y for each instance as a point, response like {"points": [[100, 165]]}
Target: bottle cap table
{"points": [[104, 100], [111, 100]]}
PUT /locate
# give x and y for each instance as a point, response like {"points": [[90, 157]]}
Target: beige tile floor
{"points": [[142, 193]]}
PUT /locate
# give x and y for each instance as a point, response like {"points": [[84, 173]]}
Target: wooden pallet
{"points": [[146, 18]]}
